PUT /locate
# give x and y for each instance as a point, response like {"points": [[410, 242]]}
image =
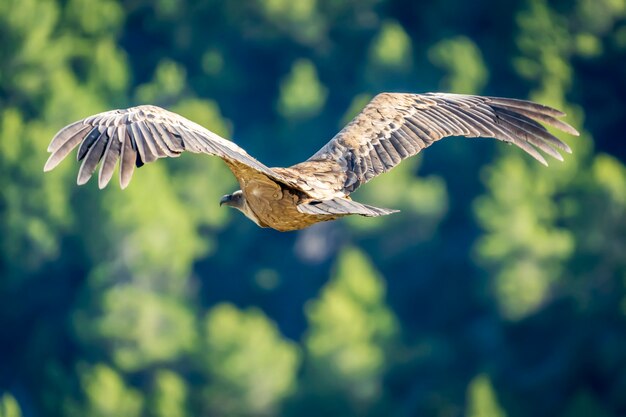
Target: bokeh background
{"points": [[499, 290]]}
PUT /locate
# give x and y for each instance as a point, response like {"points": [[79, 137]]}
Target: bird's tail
{"points": [[343, 206]]}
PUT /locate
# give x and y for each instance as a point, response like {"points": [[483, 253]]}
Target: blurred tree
{"points": [[350, 333], [463, 63], [105, 394], [140, 328], [543, 242], [251, 368], [169, 395], [481, 399], [524, 244], [9, 406], [391, 47], [167, 84], [297, 19], [301, 93]]}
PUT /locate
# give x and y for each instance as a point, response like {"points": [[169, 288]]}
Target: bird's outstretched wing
{"points": [[393, 127], [138, 135]]}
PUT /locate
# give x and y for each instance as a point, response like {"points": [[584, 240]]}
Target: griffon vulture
{"points": [[390, 128]]}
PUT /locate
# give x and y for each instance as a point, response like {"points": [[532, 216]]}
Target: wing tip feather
{"points": [[571, 130], [82, 179], [543, 161], [50, 164]]}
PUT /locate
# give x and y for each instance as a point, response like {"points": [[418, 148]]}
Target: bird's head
{"points": [[236, 200]]}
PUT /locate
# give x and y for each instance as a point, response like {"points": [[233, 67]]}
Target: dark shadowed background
{"points": [[499, 290]]}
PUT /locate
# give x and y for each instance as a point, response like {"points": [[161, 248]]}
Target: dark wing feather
{"points": [[139, 135], [393, 127]]}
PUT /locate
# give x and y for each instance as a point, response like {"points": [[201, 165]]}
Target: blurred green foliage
{"points": [[481, 399], [350, 329], [9, 406], [251, 368], [301, 94], [391, 47], [499, 290], [462, 61]]}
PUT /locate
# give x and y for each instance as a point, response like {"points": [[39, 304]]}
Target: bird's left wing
{"points": [[142, 134], [393, 127]]}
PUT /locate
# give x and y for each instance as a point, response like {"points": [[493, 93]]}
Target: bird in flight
{"points": [[391, 128]]}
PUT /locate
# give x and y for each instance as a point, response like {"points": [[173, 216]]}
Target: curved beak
{"points": [[225, 199]]}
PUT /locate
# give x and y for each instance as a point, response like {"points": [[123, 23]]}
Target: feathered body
{"points": [[391, 128]]}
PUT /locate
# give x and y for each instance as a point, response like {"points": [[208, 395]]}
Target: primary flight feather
{"points": [[391, 128]]}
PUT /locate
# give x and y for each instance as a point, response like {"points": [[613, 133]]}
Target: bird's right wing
{"points": [[139, 135], [393, 127]]}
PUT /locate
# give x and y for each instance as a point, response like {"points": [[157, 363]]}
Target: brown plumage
{"points": [[391, 128]]}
